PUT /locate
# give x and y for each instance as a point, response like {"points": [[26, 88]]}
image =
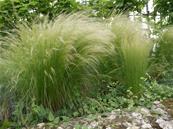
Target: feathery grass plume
{"points": [[55, 62], [132, 51]]}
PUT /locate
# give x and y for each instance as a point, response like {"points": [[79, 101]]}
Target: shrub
{"points": [[55, 62]]}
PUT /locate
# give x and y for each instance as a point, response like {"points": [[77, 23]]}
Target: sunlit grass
{"points": [[132, 50]]}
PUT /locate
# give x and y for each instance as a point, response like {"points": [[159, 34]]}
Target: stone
{"points": [[156, 102], [165, 124], [108, 128], [160, 111], [136, 115], [146, 126], [40, 125], [93, 124], [112, 117], [137, 121], [59, 128], [133, 127], [127, 124], [145, 112]]}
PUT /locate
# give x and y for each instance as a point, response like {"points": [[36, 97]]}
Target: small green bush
{"points": [[53, 63]]}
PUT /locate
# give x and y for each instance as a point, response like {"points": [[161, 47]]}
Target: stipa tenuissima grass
{"points": [[128, 62], [54, 62]]}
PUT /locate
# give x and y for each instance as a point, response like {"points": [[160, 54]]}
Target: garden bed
{"points": [[159, 116]]}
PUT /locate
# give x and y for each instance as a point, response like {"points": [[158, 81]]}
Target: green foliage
{"points": [[115, 98], [25, 116], [55, 62], [78, 126], [13, 12], [159, 92], [107, 8], [164, 8]]}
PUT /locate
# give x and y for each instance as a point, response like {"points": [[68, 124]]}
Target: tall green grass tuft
{"points": [[163, 56], [131, 54], [55, 62]]}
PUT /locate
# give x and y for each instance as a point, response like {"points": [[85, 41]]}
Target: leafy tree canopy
{"points": [[164, 8], [105, 8], [14, 11]]}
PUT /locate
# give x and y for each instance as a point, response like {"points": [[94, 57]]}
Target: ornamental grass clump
{"points": [[55, 62], [164, 51], [132, 52], [161, 65]]}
